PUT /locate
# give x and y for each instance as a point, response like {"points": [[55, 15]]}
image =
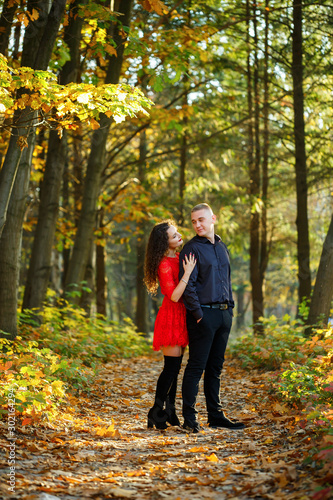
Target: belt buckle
{"points": [[223, 307]]}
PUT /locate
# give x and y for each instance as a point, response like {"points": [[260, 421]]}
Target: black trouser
{"points": [[207, 344]]}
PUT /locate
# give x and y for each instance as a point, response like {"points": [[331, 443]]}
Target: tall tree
{"points": [[302, 223], [141, 294], [41, 256], [6, 22], [321, 300], [38, 44], [255, 192], [96, 162]]}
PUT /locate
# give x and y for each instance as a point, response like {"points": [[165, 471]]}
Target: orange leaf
{"points": [[6, 366], [26, 421], [94, 124], [213, 458], [196, 449]]}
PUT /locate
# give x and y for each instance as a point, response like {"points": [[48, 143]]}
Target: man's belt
{"points": [[223, 307]]}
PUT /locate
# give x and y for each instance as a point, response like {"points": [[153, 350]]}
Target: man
{"points": [[209, 303]]}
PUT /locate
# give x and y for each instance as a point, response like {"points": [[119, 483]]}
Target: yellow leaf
{"points": [[213, 458], [107, 432], [191, 479], [159, 7], [197, 449], [23, 18], [203, 56], [94, 124], [110, 50], [34, 15]]}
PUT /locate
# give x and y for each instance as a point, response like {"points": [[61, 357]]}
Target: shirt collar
{"points": [[203, 239]]}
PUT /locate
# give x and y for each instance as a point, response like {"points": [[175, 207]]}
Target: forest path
{"points": [[100, 446]]}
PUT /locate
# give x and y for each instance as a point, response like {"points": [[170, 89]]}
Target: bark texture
{"points": [[321, 301], [303, 243], [6, 21]]}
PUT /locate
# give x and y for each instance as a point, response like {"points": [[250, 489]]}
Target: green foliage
{"points": [[281, 342], [61, 354], [33, 375], [304, 384], [68, 331], [71, 102], [304, 371]]}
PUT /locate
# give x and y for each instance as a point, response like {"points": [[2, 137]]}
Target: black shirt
{"points": [[210, 281]]}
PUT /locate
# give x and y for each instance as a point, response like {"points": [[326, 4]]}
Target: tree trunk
{"points": [[11, 163], [95, 167], [101, 280], [254, 172], [66, 208], [6, 22], [323, 290], [89, 284], [303, 244], [257, 282], [141, 293], [10, 247], [263, 236], [240, 318], [78, 173], [183, 156], [41, 257], [14, 180]]}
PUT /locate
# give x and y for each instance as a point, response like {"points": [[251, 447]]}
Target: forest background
{"points": [[115, 115], [240, 117]]}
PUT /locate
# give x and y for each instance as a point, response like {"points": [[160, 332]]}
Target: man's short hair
{"points": [[201, 206]]}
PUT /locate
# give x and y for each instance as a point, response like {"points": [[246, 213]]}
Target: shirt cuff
{"points": [[197, 313]]}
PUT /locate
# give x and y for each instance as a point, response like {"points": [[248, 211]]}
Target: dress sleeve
{"points": [[166, 278], [190, 296]]}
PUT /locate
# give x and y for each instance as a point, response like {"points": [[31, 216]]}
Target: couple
{"points": [[203, 282]]}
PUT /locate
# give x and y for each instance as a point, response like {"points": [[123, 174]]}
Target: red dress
{"points": [[170, 324]]}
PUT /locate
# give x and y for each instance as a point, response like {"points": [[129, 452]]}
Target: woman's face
{"points": [[175, 238]]}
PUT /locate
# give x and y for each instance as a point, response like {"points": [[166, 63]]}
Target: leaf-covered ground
{"points": [[100, 446]]}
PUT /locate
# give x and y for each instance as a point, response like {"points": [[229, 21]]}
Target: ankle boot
{"points": [[171, 411], [157, 417]]}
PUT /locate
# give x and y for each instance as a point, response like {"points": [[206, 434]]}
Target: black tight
{"points": [[166, 386]]}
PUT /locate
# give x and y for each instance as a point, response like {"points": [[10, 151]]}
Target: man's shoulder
{"points": [[220, 242], [191, 243]]}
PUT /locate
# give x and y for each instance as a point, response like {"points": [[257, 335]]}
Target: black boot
{"points": [[170, 406], [171, 411], [157, 415]]}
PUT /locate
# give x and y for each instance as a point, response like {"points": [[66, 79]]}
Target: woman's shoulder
{"points": [[165, 263], [168, 262]]}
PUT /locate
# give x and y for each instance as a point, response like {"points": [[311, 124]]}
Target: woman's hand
{"points": [[189, 264]]}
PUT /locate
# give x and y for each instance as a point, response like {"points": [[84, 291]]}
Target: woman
{"points": [[170, 333]]}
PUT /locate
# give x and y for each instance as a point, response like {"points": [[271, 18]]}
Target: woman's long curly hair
{"points": [[158, 244]]}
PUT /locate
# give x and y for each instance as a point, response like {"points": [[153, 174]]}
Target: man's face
{"points": [[203, 222]]}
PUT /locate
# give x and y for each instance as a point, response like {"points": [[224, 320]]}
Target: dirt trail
{"points": [[100, 446]]}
